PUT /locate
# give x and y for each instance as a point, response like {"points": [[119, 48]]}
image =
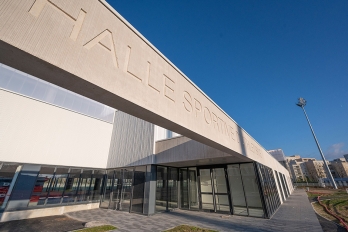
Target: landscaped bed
{"points": [[335, 200], [187, 228], [98, 229]]}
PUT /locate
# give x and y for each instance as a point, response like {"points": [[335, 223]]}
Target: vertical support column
{"points": [[150, 190]]}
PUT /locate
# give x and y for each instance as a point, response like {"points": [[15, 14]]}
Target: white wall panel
{"points": [[35, 132]]}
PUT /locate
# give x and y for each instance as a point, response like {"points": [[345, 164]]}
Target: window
{"points": [[42, 186]]}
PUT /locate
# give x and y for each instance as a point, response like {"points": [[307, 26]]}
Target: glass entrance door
{"points": [[214, 190]]}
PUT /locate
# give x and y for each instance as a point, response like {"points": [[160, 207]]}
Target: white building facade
{"points": [[67, 143]]}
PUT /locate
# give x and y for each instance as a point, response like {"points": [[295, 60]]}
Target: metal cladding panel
{"points": [[132, 141]]}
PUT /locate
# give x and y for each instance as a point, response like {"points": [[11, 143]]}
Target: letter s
{"points": [[187, 104]]}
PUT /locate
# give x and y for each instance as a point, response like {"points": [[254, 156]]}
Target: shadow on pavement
{"points": [[329, 226]]}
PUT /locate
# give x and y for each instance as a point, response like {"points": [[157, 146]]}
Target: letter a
{"points": [[106, 40]]}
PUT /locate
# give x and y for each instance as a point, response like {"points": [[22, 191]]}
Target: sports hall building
{"points": [[84, 103]]}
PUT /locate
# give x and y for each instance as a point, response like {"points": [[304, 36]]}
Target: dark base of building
{"points": [[247, 189]]}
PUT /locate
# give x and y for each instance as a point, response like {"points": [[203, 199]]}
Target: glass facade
{"points": [[233, 189], [8, 173], [247, 189], [161, 189], [45, 186], [269, 189], [123, 189], [280, 187]]}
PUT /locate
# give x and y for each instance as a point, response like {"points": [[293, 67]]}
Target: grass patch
{"points": [[99, 228], [321, 211], [186, 228]]}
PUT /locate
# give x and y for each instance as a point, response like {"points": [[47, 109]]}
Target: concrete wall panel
{"points": [[40, 133]]}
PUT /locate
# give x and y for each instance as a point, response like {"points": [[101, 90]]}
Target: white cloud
{"points": [[336, 151]]}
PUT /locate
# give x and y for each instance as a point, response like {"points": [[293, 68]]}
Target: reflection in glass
{"points": [[71, 186], [237, 190], [41, 188], [270, 192], [116, 191], [251, 190], [7, 172], [58, 185], [85, 182], [278, 182], [107, 189], [172, 188], [207, 201], [96, 185], [219, 180], [222, 203], [206, 189], [138, 189], [126, 191], [194, 199], [205, 180], [184, 198]]}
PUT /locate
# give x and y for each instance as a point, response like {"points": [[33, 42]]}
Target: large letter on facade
{"points": [[106, 40], [38, 5]]}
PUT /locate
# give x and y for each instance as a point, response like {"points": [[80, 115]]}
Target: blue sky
{"points": [[255, 58]]}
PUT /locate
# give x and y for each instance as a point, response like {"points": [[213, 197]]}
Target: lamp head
{"points": [[301, 102]]}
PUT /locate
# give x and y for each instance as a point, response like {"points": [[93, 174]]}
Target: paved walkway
{"points": [[296, 214]]}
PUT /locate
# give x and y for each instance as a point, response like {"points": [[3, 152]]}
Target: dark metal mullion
{"points": [[32, 191], [272, 202], [88, 192], [132, 188], [66, 183], [213, 188], [49, 188], [188, 188], [143, 212], [241, 177], [275, 190], [179, 187], [264, 189], [167, 195], [77, 189], [286, 185], [229, 195], [280, 187], [269, 197], [276, 194], [112, 188], [199, 189]]}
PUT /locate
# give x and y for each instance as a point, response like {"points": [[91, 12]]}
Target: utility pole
{"points": [[301, 103]]}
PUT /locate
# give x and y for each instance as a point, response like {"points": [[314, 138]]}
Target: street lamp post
{"points": [[301, 103]]}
